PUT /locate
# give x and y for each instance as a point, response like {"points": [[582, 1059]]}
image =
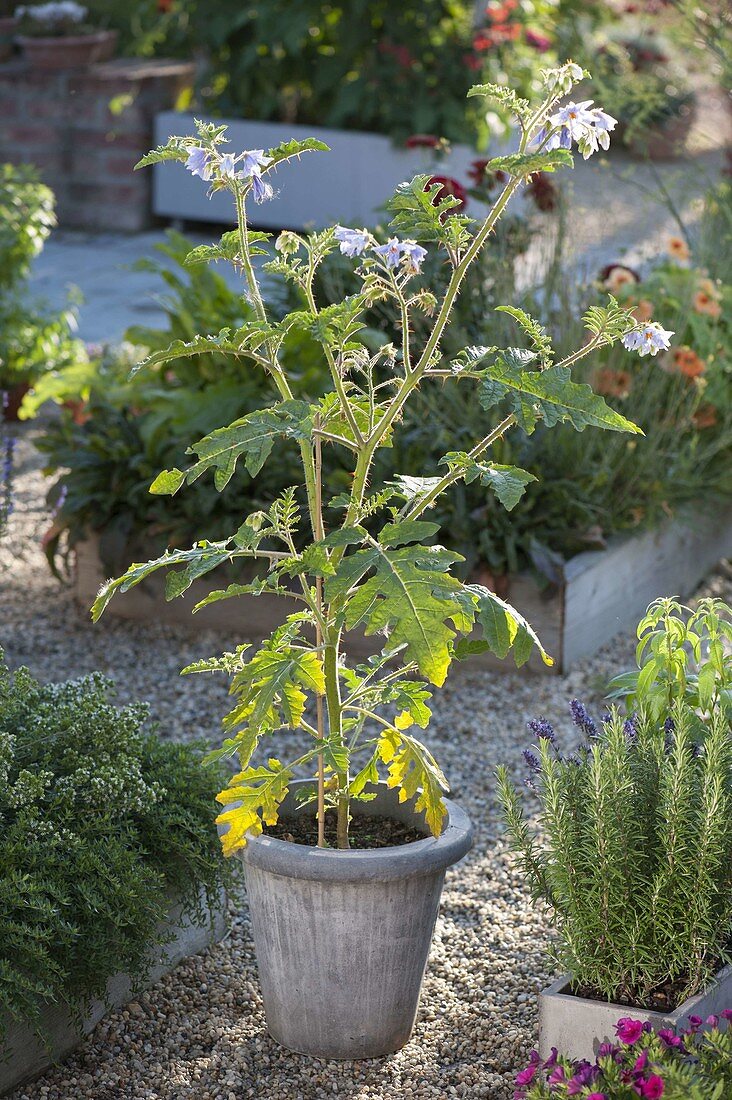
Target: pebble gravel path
{"points": [[200, 1032]]}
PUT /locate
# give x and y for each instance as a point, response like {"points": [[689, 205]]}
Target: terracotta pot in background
{"points": [[667, 142], [69, 52], [15, 397]]}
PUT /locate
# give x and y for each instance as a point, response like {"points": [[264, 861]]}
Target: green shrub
{"points": [[101, 821], [632, 848], [32, 338]]}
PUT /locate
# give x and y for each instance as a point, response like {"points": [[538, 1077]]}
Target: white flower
{"points": [[648, 340], [64, 11], [564, 78]]}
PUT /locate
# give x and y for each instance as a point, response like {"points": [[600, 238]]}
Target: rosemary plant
{"points": [[374, 568]]}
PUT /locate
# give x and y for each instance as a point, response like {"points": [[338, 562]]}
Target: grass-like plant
{"points": [[632, 848], [376, 568], [102, 824]]}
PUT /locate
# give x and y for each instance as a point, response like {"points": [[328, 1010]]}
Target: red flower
{"points": [[539, 41], [448, 186], [165, 5], [542, 191], [422, 141], [483, 42], [477, 174], [472, 62]]}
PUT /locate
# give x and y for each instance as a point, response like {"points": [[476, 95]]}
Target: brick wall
{"points": [[85, 129]]}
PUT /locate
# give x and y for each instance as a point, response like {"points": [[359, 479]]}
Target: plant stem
{"points": [[319, 634]]}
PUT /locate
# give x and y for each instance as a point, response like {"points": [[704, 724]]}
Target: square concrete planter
{"points": [[577, 1026], [348, 184], [599, 594], [24, 1054]]}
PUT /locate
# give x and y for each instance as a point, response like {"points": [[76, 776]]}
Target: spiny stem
{"points": [[319, 636]]}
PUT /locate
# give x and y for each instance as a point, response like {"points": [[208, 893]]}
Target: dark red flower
{"points": [[449, 186], [539, 42], [483, 42], [422, 141], [542, 191]]}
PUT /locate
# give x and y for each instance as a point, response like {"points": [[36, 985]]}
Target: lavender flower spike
{"points": [[543, 730], [582, 718]]}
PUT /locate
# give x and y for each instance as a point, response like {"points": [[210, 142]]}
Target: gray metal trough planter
{"points": [[576, 1026], [24, 1054], [342, 938]]}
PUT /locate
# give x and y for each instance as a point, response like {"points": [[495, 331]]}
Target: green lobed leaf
{"points": [[521, 165], [507, 482], [410, 597], [287, 150], [257, 794], [503, 628], [550, 395], [414, 771], [422, 212]]}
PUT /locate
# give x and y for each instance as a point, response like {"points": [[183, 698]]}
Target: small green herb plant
{"points": [[102, 822], [376, 568], [632, 848]]}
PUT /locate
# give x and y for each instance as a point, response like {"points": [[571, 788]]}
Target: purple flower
{"points": [[199, 163], [261, 190], [630, 728], [648, 340], [526, 1076], [641, 1062], [552, 1059], [670, 1039], [544, 730], [695, 1022], [352, 241], [726, 1014], [227, 166], [712, 1021], [607, 1050], [581, 718], [629, 1031], [532, 760], [557, 1076], [596, 1096], [583, 1076], [587, 126], [391, 251], [669, 726]]}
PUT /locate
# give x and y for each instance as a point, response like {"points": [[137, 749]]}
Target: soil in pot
{"points": [[364, 832], [665, 998]]}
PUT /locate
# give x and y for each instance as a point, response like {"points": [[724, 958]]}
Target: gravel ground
{"points": [[200, 1032]]}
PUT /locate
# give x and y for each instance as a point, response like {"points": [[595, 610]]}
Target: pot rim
{"points": [[64, 39], [418, 857]]}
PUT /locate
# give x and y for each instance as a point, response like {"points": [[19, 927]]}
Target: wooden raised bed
{"points": [[601, 594], [25, 1055]]}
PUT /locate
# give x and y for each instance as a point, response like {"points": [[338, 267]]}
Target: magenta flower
{"points": [[596, 1096], [641, 1062], [670, 1038], [526, 1076], [695, 1022], [606, 1050], [552, 1059], [629, 1031], [727, 1014], [651, 1089], [557, 1076], [712, 1021]]}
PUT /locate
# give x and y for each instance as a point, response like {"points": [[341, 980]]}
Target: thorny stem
{"points": [[319, 639]]}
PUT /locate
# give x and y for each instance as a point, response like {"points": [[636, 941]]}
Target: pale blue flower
{"points": [[260, 189], [252, 160], [394, 251], [414, 254], [352, 241], [589, 127], [199, 163], [391, 251], [648, 340], [227, 166]]}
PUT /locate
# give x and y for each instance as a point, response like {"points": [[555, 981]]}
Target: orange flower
{"points": [[612, 383], [619, 276], [678, 248], [707, 304], [704, 417], [687, 362], [643, 311], [709, 287]]}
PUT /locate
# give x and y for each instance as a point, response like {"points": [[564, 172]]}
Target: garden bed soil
{"points": [[364, 832], [597, 595], [28, 1053]]}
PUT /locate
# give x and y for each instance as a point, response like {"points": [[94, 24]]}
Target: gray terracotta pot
{"points": [[342, 938], [67, 51]]}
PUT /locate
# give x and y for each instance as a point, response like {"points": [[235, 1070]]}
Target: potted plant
{"points": [[344, 867], [632, 849], [687, 1063], [57, 36]]}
